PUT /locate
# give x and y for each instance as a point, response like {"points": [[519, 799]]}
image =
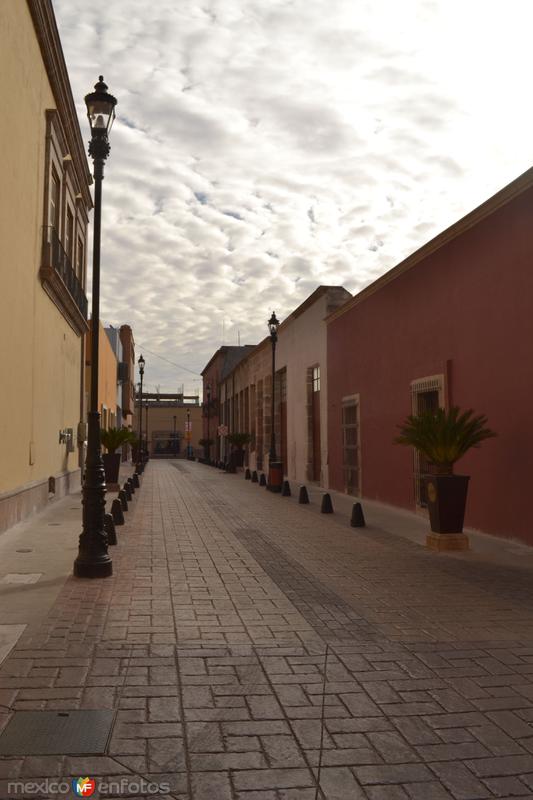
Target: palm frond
{"points": [[444, 436]]}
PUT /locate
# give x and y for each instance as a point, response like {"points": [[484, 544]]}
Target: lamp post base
{"points": [[101, 568]]}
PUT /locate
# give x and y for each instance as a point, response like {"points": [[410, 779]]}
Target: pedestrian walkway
{"points": [[253, 649]]}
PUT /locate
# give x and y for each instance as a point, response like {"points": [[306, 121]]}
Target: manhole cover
{"points": [[54, 524], [24, 550], [21, 577], [42, 733]]}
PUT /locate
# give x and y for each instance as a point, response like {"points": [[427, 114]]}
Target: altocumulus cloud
{"points": [[263, 147]]}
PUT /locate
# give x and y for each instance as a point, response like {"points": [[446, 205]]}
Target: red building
{"points": [[450, 325], [215, 371]]}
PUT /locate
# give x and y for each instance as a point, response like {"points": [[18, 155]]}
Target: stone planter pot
{"points": [[111, 468], [447, 502]]}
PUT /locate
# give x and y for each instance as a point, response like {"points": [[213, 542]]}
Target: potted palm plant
{"points": [[112, 439], [443, 437], [238, 441]]}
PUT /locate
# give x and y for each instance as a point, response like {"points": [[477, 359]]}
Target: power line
{"points": [[180, 366]]}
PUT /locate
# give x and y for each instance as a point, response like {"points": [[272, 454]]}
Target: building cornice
{"points": [[497, 201], [44, 22]]}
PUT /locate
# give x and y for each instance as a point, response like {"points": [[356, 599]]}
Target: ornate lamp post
{"points": [[93, 560], [208, 445], [274, 467], [141, 363]]}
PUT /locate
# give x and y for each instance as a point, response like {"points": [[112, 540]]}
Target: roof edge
{"points": [[481, 212], [44, 22]]}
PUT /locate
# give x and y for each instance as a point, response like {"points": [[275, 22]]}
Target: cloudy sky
{"points": [[263, 147]]}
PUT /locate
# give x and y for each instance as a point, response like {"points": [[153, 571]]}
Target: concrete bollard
{"points": [[358, 518], [327, 505], [262, 480], [123, 499], [286, 489], [303, 497], [127, 490], [135, 480], [247, 474], [116, 512], [109, 527], [255, 477]]}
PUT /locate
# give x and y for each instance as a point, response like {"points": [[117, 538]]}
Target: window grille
{"points": [[427, 394], [351, 446]]}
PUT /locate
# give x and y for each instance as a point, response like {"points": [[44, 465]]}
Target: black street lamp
{"points": [[141, 363], [208, 445], [189, 434], [274, 467], [93, 560]]}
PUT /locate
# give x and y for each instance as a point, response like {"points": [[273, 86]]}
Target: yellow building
{"points": [[170, 423], [107, 379], [44, 204]]}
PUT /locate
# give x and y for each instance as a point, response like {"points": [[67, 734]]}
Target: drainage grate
{"points": [[42, 733], [21, 577]]}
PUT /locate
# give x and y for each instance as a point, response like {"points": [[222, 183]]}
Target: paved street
{"points": [[211, 638]]}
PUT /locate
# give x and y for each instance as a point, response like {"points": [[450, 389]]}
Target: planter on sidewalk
{"points": [[442, 436], [111, 469]]}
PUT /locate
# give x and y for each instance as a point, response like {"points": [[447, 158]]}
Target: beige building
{"points": [[44, 205], [300, 418], [108, 386], [167, 421]]}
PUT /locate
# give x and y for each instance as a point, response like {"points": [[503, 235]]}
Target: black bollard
{"points": [[131, 485], [327, 505], [358, 518], [262, 480], [303, 497], [109, 527], [255, 478], [127, 489], [286, 489], [135, 480], [123, 499], [247, 474], [116, 512]]}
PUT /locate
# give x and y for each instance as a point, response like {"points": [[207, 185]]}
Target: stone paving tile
{"points": [[210, 643]]}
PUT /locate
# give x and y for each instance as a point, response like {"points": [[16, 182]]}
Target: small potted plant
{"points": [[112, 439], [443, 437], [238, 441]]}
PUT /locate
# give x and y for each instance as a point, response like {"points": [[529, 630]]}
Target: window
{"points": [[316, 379], [351, 445], [427, 394], [64, 223], [69, 236], [54, 209], [80, 260]]}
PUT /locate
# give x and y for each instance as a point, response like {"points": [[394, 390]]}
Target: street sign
{"points": [[222, 430]]}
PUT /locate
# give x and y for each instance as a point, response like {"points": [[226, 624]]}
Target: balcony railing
{"points": [[61, 264], [61, 282]]}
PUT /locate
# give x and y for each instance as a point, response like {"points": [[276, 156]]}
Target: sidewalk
{"points": [[209, 641]]}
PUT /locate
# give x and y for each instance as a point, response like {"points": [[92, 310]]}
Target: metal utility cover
{"points": [[43, 733]]}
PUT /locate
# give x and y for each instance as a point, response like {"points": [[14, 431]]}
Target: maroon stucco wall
{"points": [[466, 310]]}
